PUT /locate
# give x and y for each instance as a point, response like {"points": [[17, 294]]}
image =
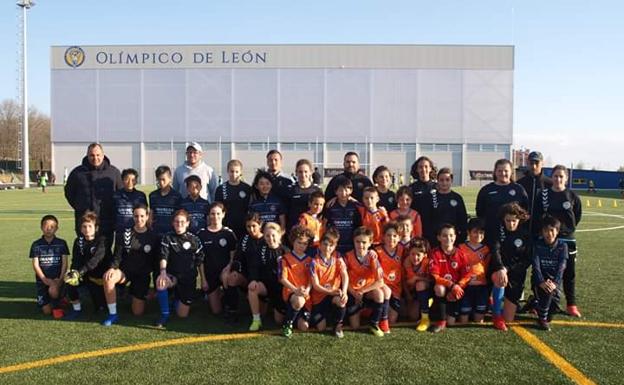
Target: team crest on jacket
{"points": [[92, 249], [186, 245], [512, 193], [392, 276], [222, 242], [360, 185], [567, 205], [454, 265], [242, 194], [518, 242], [448, 277], [453, 202], [147, 248]]}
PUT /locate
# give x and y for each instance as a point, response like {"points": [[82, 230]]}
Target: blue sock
{"points": [[498, 294], [163, 302], [385, 308]]}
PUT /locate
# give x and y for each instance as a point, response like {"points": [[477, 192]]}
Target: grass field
{"points": [[36, 349]]}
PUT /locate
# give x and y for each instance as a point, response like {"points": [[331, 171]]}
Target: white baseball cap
{"points": [[195, 146]]}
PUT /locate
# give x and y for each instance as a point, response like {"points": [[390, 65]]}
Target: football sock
{"points": [[385, 308], [112, 308], [376, 314], [498, 294], [340, 314], [291, 314], [423, 300], [256, 317], [77, 306], [230, 298], [163, 301]]}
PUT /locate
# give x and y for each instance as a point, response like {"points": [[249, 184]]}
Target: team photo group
{"points": [[361, 251]]}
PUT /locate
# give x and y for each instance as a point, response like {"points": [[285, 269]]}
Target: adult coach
{"points": [[535, 182], [91, 185], [194, 165], [351, 164], [281, 184]]}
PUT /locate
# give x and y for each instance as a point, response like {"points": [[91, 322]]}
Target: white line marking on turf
{"points": [[593, 213]]}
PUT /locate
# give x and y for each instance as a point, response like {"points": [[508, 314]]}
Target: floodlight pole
{"points": [[25, 4]]}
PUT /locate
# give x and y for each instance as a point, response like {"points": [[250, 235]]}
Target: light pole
{"points": [[25, 4]]}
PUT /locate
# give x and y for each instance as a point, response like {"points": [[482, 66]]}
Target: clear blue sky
{"points": [[569, 76]]}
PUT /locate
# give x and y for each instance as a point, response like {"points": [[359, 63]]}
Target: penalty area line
{"points": [[126, 349], [549, 354]]}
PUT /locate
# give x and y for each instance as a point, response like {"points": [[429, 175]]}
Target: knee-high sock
{"points": [[385, 308], [340, 313], [438, 309], [498, 295], [376, 314], [423, 300], [163, 302], [291, 314], [230, 298]]}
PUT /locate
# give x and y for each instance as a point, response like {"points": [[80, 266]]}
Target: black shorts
{"points": [[515, 285], [274, 296], [43, 295], [185, 289], [475, 299], [240, 267], [353, 308], [139, 284]]}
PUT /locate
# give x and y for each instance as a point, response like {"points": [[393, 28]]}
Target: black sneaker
{"points": [[543, 324]]}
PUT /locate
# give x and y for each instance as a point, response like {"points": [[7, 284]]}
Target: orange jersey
{"points": [[418, 270], [392, 269], [294, 270], [374, 221], [478, 260], [363, 273], [416, 221], [449, 269], [313, 224], [328, 274]]}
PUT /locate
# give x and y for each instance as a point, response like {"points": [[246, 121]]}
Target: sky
{"points": [[569, 54]]}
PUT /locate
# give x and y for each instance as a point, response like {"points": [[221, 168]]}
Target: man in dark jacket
{"points": [[534, 181], [351, 165], [91, 185]]}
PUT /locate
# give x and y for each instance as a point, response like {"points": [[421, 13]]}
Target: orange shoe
{"points": [[499, 323], [573, 311], [384, 325], [58, 313]]}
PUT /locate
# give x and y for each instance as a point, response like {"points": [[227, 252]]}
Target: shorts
{"points": [[395, 303], [240, 267], [353, 308], [139, 284], [515, 285], [185, 288], [322, 310], [43, 295], [213, 276], [475, 299]]}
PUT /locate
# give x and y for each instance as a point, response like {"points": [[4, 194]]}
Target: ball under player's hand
{"points": [[72, 278]]}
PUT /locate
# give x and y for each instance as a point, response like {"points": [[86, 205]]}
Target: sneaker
{"points": [[384, 325], [255, 325], [73, 315], [110, 320], [543, 324], [162, 322], [287, 330], [58, 313], [338, 331], [377, 332], [438, 327], [423, 324], [499, 323], [573, 311]]}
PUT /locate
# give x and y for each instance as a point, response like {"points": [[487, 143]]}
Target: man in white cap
{"points": [[194, 165]]}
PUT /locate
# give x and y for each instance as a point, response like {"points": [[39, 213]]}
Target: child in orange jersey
{"points": [[449, 268], [404, 207], [294, 275], [478, 256], [365, 281], [312, 218], [418, 281], [406, 228], [373, 217], [390, 256], [330, 283]]}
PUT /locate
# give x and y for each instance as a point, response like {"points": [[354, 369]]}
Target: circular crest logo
{"points": [[186, 245], [74, 56], [360, 185], [448, 277], [242, 194], [222, 242], [518, 242], [147, 248], [512, 193], [567, 205], [454, 265], [392, 276], [361, 282], [92, 250], [273, 208], [453, 202]]}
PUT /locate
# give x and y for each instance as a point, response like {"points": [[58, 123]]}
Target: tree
{"points": [[580, 165], [621, 169], [38, 134]]}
